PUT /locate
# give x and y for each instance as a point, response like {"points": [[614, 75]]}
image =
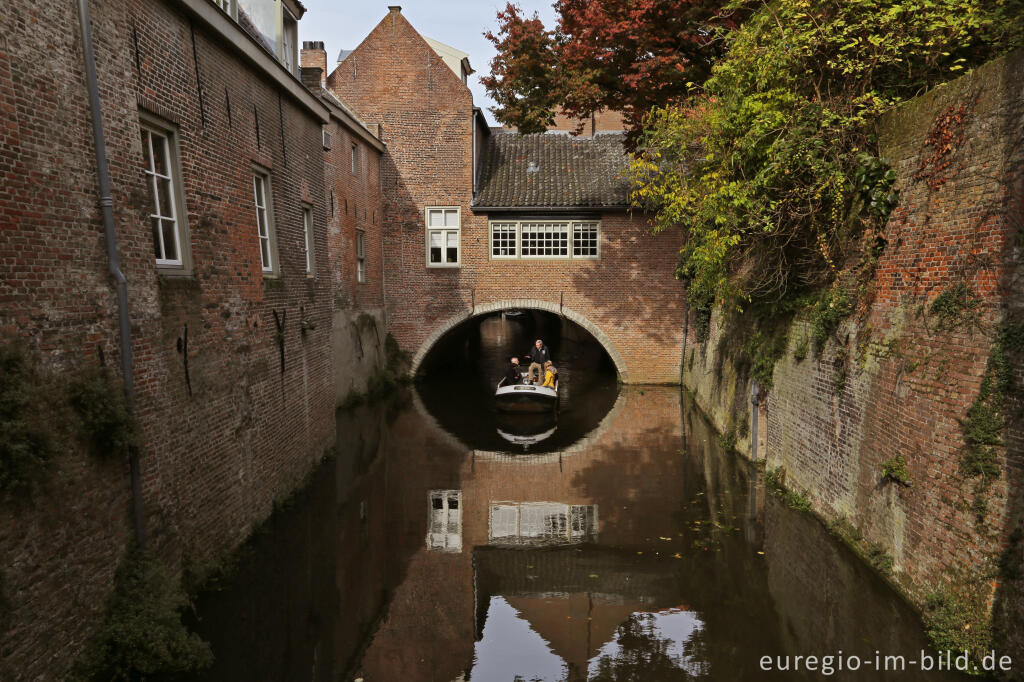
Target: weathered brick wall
{"points": [[909, 381], [629, 295], [220, 445]]}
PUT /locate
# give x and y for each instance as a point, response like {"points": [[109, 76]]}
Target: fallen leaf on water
{"points": [[593, 575], [760, 552], [677, 555], [664, 538]]}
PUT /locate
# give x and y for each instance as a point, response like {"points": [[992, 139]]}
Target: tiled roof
{"points": [[554, 170]]}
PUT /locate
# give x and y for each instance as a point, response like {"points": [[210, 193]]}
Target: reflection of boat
{"points": [[527, 440], [513, 312], [525, 397]]}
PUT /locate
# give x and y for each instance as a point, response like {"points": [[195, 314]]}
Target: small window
{"points": [[361, 256], [163, 184], [503, 240], [225, 5], [443, 236], [307, 233], [289, 41], [264, 226], [445, 519], [584, 240], [355, 159]]}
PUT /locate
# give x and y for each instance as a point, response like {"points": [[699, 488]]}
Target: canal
{"points": [[616, 541]]}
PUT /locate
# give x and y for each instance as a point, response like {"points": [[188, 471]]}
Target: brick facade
{"points": [[237, 430], [394, 79], [910, 380]]}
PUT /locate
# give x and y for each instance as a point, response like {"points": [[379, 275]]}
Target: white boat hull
{"points": [[525, 398]]}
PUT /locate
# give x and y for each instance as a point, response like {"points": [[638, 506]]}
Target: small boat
{"points": [[524, 397]]}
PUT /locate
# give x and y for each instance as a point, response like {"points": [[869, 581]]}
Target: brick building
{"points": [[222, 222], [478, 220]]}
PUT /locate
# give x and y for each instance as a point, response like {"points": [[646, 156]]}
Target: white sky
{"points": [[342, 24]]}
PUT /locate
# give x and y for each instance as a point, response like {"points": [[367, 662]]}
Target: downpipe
{"points": [[107, 209]]}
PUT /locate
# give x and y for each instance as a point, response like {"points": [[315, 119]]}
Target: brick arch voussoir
{"points": [[522, 304]]}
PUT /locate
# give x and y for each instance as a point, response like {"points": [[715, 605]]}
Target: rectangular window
{"points": [[307, 233], [224, 5], [289, 41], [355, 159], [503, 240], [443, 236], [163, 185], [541, 523], [264, 227], [361, 256], [584, 240], [545, 239]]}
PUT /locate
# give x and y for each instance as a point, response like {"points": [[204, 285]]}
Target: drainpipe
{"points": [[755, 402], [107, 209]]}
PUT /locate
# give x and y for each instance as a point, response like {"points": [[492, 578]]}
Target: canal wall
{"points": [[915, 366]]}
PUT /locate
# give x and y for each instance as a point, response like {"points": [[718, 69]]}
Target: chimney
{"points": [[312, 77], [395, 9], [313, 55]]}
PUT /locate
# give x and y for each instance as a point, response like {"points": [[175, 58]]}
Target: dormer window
{"points": [[273, 23]]}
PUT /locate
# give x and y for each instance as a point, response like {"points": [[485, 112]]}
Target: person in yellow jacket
{"points": [[550, 376]]}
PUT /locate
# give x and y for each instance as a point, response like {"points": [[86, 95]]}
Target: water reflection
{"points": [[638, 553]]}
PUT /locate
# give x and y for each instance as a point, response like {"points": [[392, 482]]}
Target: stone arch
{"points": [[525, 304]]}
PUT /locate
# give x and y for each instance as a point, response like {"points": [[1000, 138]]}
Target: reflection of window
{"points": [[514, 523], [361, 256], [443, 228], [445, 532]]}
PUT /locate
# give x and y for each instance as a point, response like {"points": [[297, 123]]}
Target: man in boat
{"points": [[538, 356], [513, 375]]}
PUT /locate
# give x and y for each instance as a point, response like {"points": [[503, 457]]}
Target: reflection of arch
{"points": [[521, 303]]}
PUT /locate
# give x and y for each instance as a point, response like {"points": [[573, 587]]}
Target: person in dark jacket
{"points": [[513, 375], [538, 356]]}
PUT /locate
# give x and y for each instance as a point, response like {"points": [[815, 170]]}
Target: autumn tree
{"points": [[628, 56]]}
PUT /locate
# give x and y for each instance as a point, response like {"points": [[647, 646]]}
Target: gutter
{"points": [[113, 264], [536, 209]]}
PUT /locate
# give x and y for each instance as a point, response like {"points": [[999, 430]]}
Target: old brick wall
{"points": [[910, 379], [223, 442], [393, 78]]}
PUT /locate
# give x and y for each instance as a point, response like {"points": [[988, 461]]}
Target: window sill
{"points": [[443, 266], [171, 272]]}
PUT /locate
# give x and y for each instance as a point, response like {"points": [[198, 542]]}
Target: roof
{"points": [[343, 55], [554, 170], [454, 58]]}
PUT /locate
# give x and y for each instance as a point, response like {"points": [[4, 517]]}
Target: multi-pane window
{"points": [[584, 240], [361, 256], [503, 240], [307, 234], [261, 192], [443, 227], [224, 5], [164, 189], [289, 40], [545, 239], [541, 523]]}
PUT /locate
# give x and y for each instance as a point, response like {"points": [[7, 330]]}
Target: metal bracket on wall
{"points": [[279, 321]]}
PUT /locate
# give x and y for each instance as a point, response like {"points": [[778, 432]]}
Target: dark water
{"points": [[624, 545]]}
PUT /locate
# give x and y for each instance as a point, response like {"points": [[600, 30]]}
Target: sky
{"points": [[342, 24]]}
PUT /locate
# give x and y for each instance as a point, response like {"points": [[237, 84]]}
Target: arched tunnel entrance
{"points": [[457, 377]]}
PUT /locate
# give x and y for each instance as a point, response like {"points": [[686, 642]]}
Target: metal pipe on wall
{"points": [[114, 266]]}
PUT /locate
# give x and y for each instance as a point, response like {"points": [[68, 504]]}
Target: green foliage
{"points": [[829, 309], [986, 418], [775, 480], [895, 470], [102, 409], [26, 437], [801, 348], [956, 306], [956, 618], [880, 559], [762, 351], [772, 167], [728, 440], [142, 635]]}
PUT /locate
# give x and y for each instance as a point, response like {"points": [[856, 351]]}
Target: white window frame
{"points": [[176, 212], [361, 256], [226, 6], [572, 225], [289, 41], [307, 240], [445, 231], [510, 233], [265, 228]]}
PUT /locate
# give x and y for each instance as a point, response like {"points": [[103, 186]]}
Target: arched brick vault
{"points": [[521, 304]]}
